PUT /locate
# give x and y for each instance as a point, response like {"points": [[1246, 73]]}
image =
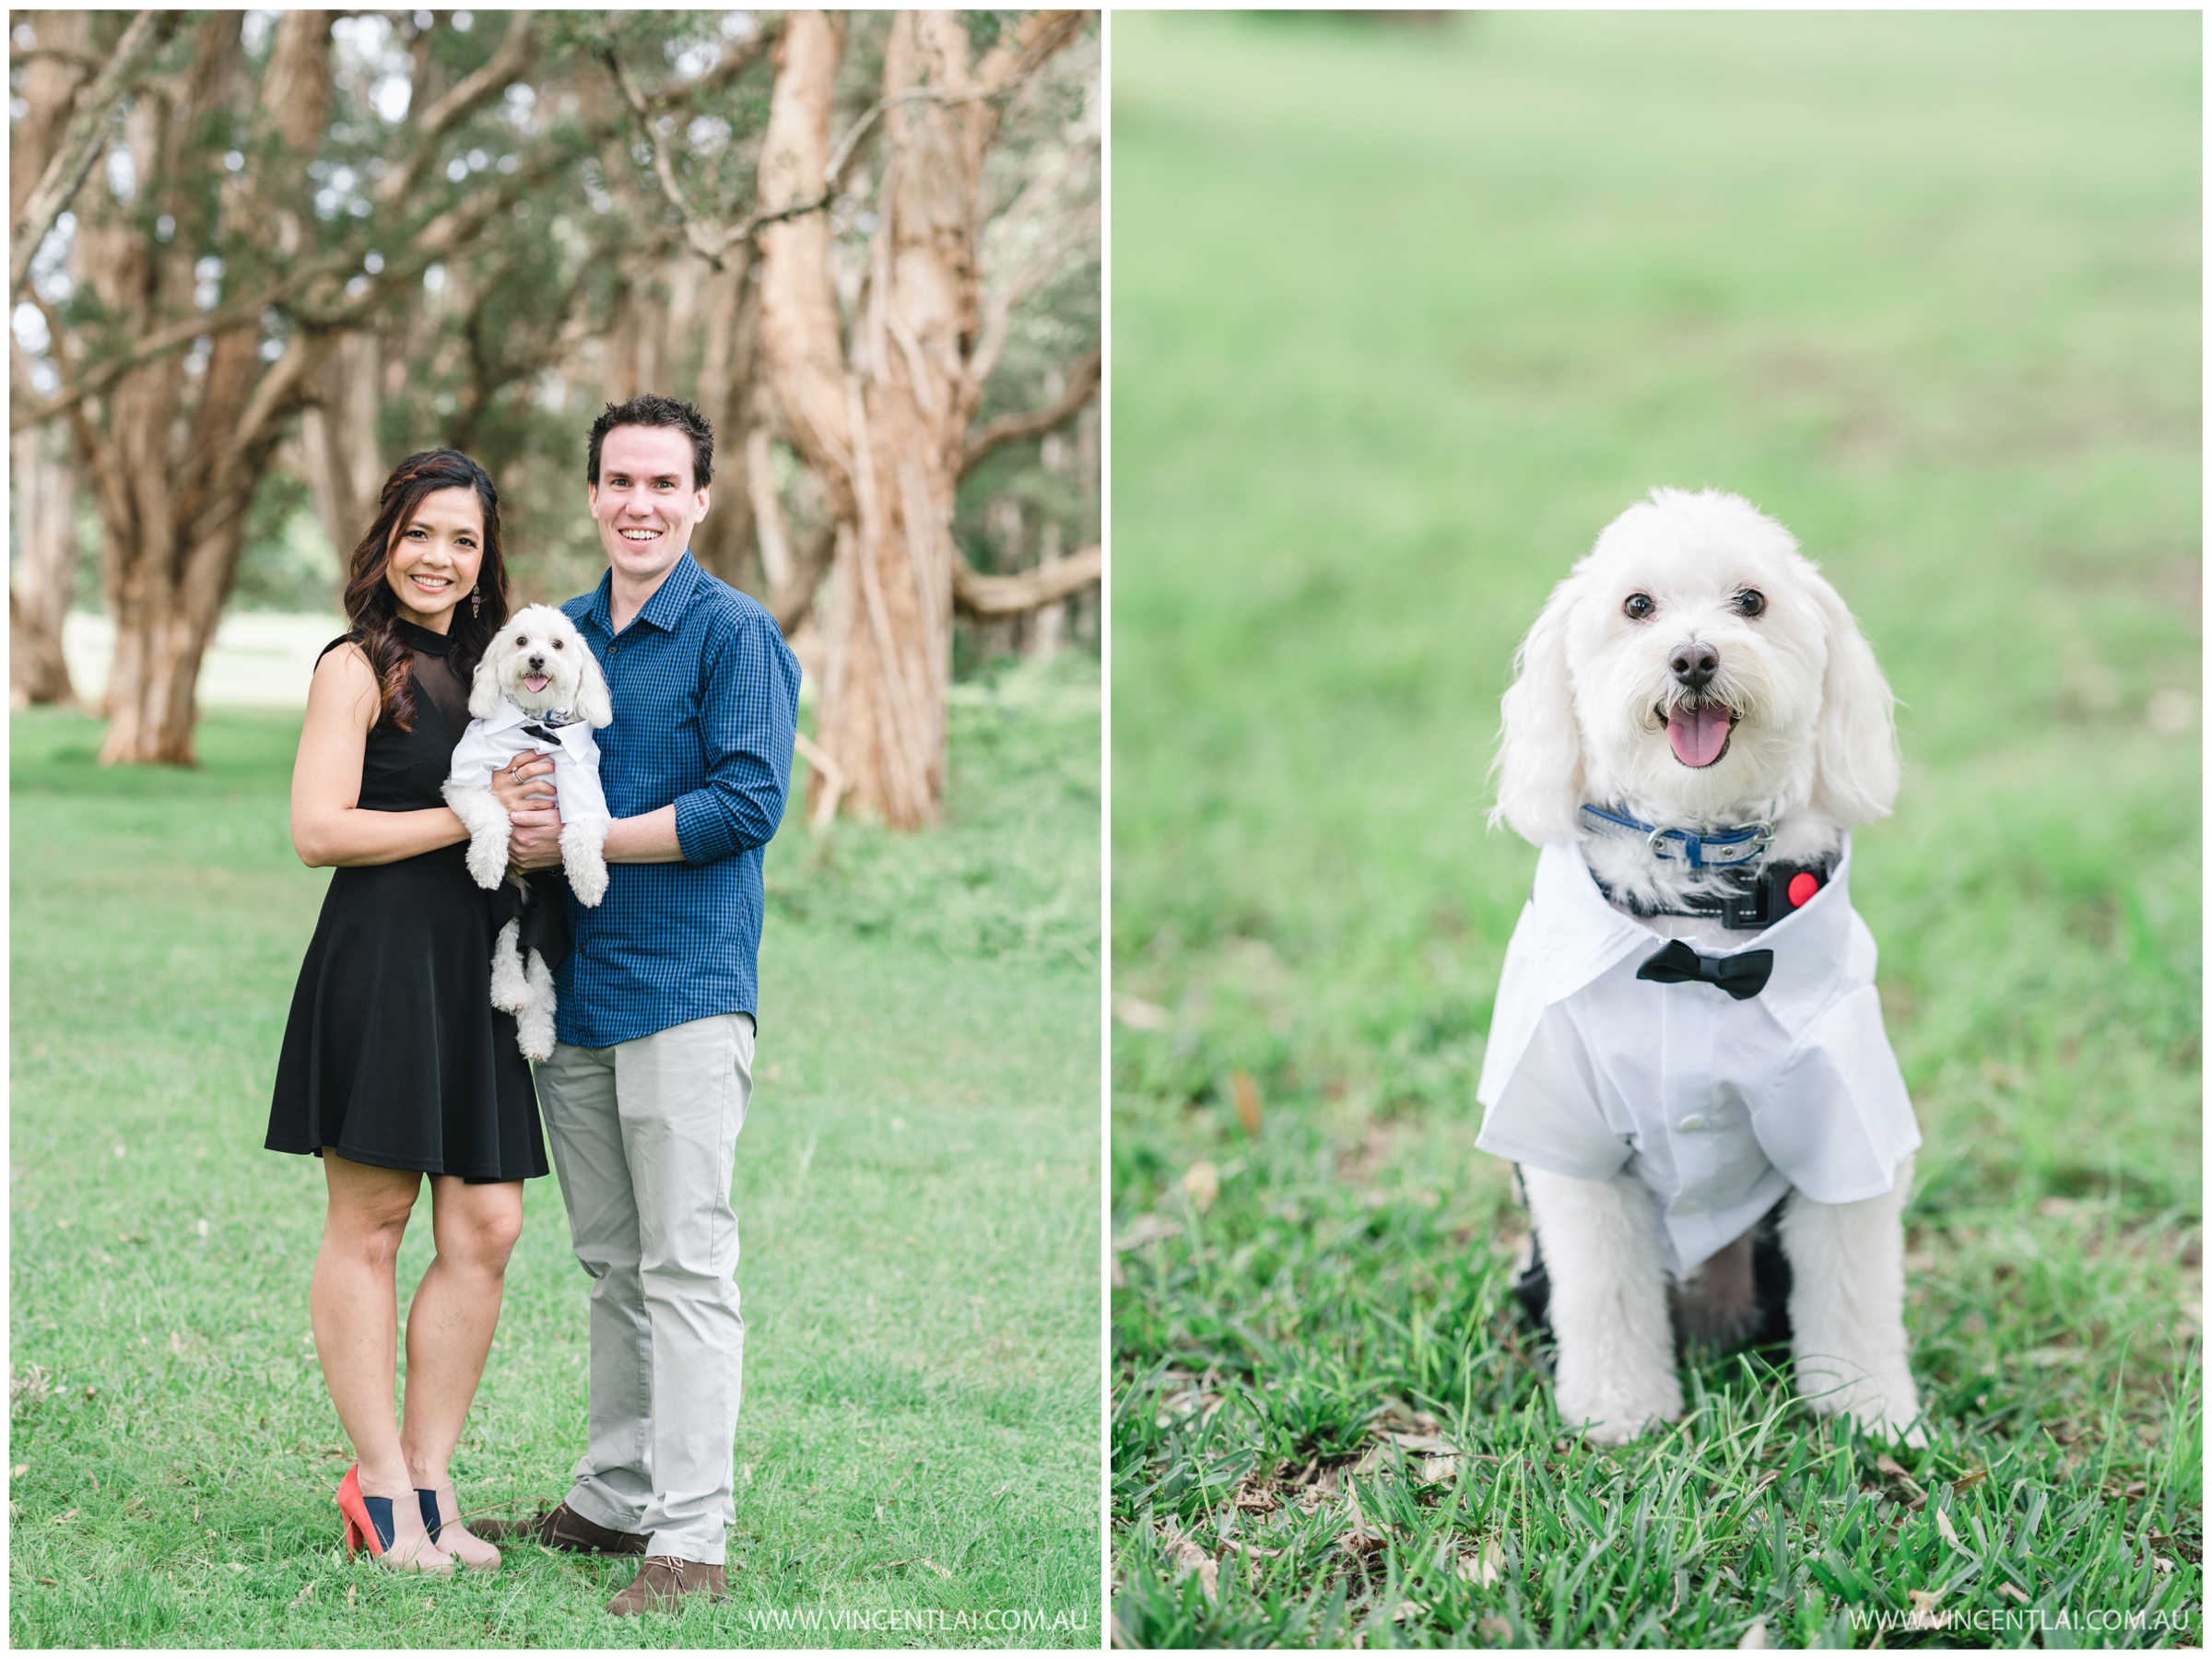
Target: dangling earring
{"points": [[476, 602]]}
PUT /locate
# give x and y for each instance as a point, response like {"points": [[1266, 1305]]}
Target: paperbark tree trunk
{"points": [[40, 584], [725, 543], [37, 599], [175, 474], [338, 449], [884, 423]]}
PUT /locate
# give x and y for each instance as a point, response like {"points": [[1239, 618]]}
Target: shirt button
{"points": [[1692, 1123], [1689, 1206]]}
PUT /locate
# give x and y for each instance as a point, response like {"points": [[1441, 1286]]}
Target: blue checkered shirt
{"points": [[706, 698]]}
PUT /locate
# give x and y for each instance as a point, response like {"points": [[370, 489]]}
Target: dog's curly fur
{"points": [[1810, 749], [539, 643]]}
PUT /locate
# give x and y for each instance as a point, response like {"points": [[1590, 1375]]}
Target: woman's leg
{"points": [[353, 1304], [355, 1308], [451, 1321]]}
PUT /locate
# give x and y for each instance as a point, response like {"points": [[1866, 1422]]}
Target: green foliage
{"points": [[286, 562], [917, 1182], [1403, 318], [1012, 874]]}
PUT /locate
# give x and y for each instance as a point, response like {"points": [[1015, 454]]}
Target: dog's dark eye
{"points": [[522, 639], [1750, 602], [561, 644], [1639, 607]]}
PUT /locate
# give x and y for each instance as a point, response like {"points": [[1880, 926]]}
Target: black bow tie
{"points": [[1742, 975], [537, 729]]}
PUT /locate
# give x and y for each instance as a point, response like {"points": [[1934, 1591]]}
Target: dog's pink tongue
{"points": [[537, 682], [1698, 734]]}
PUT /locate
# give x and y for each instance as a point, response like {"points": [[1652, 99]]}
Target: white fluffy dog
{"points": [[1694, 726], [538, 687]]}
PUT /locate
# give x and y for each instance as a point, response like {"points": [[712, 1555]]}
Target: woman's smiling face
{"points": [[434, 559]]}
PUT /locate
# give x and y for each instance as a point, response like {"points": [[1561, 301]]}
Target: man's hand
{"points": [[526, 781], [524, 786], [535, 843]]}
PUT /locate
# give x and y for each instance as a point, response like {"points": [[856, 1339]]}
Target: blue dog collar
{"points": [[1719, 849]]}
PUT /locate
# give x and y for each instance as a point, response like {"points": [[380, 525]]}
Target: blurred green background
{"points": [[1404, 313]]}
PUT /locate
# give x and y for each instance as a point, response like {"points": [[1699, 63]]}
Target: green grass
{"points": [[917, 1185], [1402, 318]]}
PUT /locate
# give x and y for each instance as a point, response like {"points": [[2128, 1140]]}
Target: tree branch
{"points": [[988, 598], [708, 247], [81, 144], [515, 49], [1034, 423]]}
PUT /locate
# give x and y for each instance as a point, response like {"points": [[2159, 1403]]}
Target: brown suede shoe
{"points": [[561, 1528], [665, 1582]]}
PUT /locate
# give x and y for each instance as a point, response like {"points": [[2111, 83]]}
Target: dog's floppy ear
{"points": [[1539, 764], [484, 689], [1854, 741], [594, 706]]}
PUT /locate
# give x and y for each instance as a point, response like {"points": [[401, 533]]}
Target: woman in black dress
{"points": [[396, 1065]]}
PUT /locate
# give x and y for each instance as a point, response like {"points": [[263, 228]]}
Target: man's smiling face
{"points": [[644, 502]]}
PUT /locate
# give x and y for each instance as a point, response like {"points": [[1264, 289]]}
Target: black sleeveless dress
{"points": [[393, 1054]]}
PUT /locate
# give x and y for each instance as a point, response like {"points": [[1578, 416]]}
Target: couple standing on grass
{"points": [[396, 1065]]}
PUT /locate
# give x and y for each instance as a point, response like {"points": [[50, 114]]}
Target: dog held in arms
{"points": [[538, 686], [1687, 1056]]}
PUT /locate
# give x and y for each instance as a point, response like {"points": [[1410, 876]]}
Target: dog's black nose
{"points": [[537, 662], [1694, 664]]}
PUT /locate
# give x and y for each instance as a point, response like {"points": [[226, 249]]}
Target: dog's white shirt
{"points": [[1718, 1106], [490, 743]]}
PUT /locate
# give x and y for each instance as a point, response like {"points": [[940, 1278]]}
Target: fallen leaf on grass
{"points": [[1896, 1471], [1190, 1557], [1484, 1566], [1359, 1538], [1437, 1471], [1147, 1229], [1202, 1183], [53, 1581], [1950, 1533], [1754, 1635], [1409, 1609], [302, 1596], [1254, 1495], [18, 1471], [1496, 1629], [1139, 1014], [1971, 1478], [349, 1592], [1248, 1100], [940, 1571], [2160, 1564], [2014, 1591]]}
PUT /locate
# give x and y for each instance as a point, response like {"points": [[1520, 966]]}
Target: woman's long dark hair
{"points": [[374, 609]]}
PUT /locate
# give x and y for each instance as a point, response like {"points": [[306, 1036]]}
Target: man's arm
{"points": [[746, 724]]}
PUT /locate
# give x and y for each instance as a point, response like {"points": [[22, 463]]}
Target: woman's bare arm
{"points": [[329, 826]]}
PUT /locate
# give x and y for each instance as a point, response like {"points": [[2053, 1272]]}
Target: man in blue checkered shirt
{"points": [[647, 1088]]}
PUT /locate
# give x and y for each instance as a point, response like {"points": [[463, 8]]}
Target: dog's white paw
{"points": [[534, 1018], [488, 857], [1614, 1417], [508, 985], [1887, 1407], [581, 858]]}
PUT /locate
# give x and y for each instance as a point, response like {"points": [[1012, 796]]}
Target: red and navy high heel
{"points": [[369, 1526]]}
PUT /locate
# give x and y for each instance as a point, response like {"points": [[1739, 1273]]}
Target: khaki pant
{"points": [[644, 1138]]}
